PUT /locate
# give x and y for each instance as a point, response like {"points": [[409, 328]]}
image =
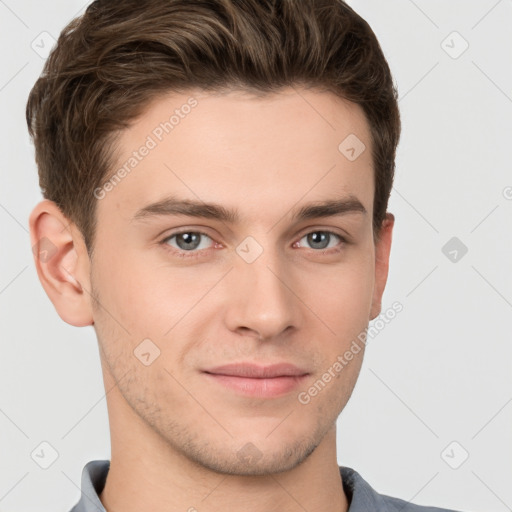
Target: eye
{"points": [[322, 239], [186, 241], [191, 244]]}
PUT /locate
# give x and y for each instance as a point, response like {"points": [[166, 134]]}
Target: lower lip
{"points": [[265, 388]]}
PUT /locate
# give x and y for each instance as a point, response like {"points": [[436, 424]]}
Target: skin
{"points": [[176, 436]]}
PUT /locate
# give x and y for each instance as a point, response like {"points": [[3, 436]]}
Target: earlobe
{"points": [[62, 263], [382, 252]]}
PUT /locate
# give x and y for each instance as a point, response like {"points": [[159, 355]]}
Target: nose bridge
{"points": [[261, 300]]}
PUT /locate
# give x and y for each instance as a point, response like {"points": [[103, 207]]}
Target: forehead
{"points": [[258, 154]]}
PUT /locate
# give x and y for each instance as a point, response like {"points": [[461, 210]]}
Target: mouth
{"points": [[258, 381]]}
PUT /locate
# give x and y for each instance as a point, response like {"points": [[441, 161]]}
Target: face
{"points": [[182, 290]]}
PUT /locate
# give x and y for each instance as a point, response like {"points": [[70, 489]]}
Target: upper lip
{"points": [[256, 371]]}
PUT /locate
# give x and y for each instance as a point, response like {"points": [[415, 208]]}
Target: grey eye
{"points": [[187, 240], [320, 239]]}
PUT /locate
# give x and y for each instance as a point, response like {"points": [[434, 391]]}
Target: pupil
{"points": [[318, 237], [190, 240]]}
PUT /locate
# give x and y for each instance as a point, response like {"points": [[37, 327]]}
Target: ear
{"points": [[62, 263], [382, 251]]}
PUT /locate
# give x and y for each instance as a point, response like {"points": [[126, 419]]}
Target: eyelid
{"points": [[326, 229]]}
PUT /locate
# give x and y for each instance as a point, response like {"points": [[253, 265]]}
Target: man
{"points": [[216, 177]]}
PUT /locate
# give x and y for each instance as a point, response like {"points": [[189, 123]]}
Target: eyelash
{"points": [[180, 253]]}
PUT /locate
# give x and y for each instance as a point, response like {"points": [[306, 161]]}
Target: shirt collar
{"points": [[360, 495], [94, 476]]}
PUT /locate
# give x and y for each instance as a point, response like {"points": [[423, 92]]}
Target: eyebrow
{"points": [[192, 208]]}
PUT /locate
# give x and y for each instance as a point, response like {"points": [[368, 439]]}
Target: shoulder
{"points": [[398, 505], [363, 497]]}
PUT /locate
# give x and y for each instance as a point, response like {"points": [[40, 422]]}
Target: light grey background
{"points": [[438, 373]]}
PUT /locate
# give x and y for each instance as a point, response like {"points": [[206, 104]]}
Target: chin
{"points": [[254, 453], [250, 461]]}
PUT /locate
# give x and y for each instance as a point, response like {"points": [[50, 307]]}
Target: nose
{"points": [[261, 301]]}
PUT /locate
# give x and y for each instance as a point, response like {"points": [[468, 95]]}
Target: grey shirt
{"points": [[361, 496]]}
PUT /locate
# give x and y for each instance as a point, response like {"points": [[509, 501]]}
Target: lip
{"points": [[258, 381], [256, 371]]}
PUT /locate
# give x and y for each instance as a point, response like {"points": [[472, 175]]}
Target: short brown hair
{"points": [[112, 61]]}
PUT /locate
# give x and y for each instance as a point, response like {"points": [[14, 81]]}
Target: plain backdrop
{"points": [[430, 417]]}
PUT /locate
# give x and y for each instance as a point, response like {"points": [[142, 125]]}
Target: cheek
{"points": [[156, 302], [134, 292], [342, 296]]}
